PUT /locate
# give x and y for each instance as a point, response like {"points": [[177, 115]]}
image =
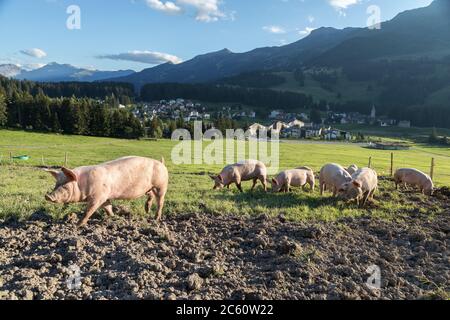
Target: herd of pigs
{"points": [[131, 178]]}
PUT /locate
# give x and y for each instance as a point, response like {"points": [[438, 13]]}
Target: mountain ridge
{"points": [[56, 72], [422, 32]]}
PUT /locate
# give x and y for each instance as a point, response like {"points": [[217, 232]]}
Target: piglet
{"points": [[361, 188], [332, 177], [127, 178], [249, 170], [416, 178], [293, 178]]}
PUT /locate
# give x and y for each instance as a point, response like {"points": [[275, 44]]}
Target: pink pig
{"points": [[250, 170], [127, 178]]}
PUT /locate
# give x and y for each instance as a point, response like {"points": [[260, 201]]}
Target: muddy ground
{"points": [[224, 257]]}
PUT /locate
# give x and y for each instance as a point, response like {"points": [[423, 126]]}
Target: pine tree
{"points": [[3, 111]]}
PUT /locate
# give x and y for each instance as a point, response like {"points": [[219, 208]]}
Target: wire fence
{"points": [[437, 167]]}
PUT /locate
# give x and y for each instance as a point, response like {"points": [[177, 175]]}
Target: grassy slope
{"points": [[350, 91], [22, 187], [395, 132]]}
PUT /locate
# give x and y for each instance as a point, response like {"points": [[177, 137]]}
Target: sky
{"points": [[138, 34]]}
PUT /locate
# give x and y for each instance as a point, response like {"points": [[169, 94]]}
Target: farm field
{"points": [[219, 244], [23, 185]]}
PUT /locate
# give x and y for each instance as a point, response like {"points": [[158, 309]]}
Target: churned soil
{"points": [[196, 256]]}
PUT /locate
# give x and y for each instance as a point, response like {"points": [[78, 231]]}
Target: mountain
{"points": [[423, 32], [222, 64], [10, 70], [55, 72], [418, 33]]}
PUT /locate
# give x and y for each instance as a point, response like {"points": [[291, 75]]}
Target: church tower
{"points": [[373, 114]]}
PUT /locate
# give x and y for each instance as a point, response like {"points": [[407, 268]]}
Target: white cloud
{"points": [[168, 6], [205, 10], [148, 57], [342, 5], [306, 31], [35, 53], [274, 29]]}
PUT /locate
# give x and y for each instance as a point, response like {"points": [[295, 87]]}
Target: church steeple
{"points": [[373, 114]]}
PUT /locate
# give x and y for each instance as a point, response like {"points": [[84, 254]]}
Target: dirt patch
{"points": [[225, 257]]}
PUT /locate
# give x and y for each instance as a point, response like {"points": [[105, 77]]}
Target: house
{"points": [[335, 134], [386, 122], [311, 132], [255, 128], [404, 124], [275, 114], [291, 132], [296, 123]]}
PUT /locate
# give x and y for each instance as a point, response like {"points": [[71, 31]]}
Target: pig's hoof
{"points": [[82, 224]]}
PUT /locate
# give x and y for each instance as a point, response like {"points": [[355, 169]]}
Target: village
{"points": [[286, 125]]}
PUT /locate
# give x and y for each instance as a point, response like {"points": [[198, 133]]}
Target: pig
{"points": [[416, 178], [250, 170], [363, 186], [332, 177], [352, 169], [126, 178], [293, 178]]}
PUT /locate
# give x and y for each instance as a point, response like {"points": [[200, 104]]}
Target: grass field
{"points": [[23, 185]]}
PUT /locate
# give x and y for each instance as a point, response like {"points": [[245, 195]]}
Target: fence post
{"points": [[370, 162], [10, 157], [43, 162], [432, 168], [392, 164], [65, 159]]}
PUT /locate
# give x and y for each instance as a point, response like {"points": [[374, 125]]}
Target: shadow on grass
{"points": [[276, 200]]}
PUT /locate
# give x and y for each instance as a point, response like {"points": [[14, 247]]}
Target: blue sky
{"points": [[115, 34]]}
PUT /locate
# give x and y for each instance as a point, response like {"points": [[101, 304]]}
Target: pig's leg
{"points": [[364, 202], [161, 198], [255, 181], [335, 192], [149, 203], [264, 183], [322, 188], [107, 206], [288, 186], [93, 206], [239, 186]]}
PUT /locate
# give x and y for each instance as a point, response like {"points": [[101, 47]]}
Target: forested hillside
{"points": [[67, 108]]}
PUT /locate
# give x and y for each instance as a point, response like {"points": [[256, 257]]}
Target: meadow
{"points": [[23, 184]]}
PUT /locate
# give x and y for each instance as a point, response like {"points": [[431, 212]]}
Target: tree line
{"points": [[262, 99], [24, 108]]}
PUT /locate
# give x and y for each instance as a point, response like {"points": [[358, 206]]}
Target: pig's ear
{"points": [[69, 174], [54, 173], [357, 184], [220, 178], [212, 177], [275, 182]]}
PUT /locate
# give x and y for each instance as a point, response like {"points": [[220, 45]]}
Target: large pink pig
{"points": [[127, 178], [416, 178]]}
